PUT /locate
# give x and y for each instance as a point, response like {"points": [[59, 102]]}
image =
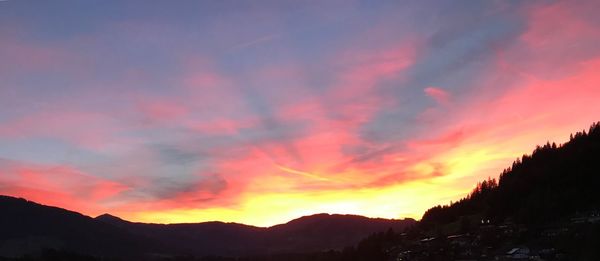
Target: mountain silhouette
{"points": [[309, 233], [28, 228]]}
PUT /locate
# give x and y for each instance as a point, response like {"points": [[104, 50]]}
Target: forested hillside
{"points": [[554, 181]]}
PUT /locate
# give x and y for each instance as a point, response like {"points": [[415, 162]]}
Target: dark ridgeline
{"points": [[306, 234], [28, 228], [207, 238], [544, 206]]}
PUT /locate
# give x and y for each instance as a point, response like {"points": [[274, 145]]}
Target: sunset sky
{"points": [[260, 112]]}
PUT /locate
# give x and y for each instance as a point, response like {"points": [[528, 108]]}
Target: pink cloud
{"points": [[88, 129], [558, 37], [59, 185], [220, 126], [363, 69], [161, 111], [439, 95]]}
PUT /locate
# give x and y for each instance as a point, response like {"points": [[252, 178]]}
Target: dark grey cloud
{"points": [[208, 185], [174, 154]]}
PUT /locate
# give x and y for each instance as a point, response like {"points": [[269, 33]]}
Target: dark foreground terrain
{"points": [[543, 207], [31, 229]]}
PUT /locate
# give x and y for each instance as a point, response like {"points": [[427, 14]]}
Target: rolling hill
{"points": [[28, 228]]}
